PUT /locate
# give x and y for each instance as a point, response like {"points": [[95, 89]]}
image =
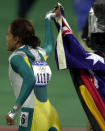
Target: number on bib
{"points": [[42, 73], [24, 119]]}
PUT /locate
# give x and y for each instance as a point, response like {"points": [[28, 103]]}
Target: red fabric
{"points": [[68, 29], [89, 82]]}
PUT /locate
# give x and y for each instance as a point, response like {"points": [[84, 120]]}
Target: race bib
{"points": [[42, 72], [24, 119]]}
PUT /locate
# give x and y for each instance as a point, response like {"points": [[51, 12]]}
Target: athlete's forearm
{"points": [[49, 41], [23, 95], [27, 87]]}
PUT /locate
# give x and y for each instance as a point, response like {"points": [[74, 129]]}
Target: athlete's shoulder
{"points": [[41, 51], [20, 53], [15, 56]]}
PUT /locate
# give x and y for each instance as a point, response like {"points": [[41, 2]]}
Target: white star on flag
{"points": [[95, 58]]}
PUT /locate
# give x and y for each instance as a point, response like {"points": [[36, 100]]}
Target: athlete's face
{"points": [[11, 41]]}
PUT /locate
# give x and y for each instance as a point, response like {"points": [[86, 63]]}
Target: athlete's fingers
{"points": [[58, 6], [9, 120], [58, 12]]}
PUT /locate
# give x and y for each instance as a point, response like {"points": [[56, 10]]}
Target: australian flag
{"points": [[87, 71]]}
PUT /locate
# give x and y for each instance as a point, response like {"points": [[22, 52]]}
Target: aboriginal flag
{"points": [[87, 71]]}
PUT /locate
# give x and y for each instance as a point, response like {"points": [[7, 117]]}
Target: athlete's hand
{"points": [[9, 120], [50, 15], [58, 8], [57, 12]]}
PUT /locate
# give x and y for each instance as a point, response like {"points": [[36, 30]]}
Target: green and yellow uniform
{"points": [[29, 75]]}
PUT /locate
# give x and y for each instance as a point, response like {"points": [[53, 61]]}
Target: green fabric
{"points": [[41, 93], [19, 65], [27, 52], [49, 41], [30, 111], [52, 129]]}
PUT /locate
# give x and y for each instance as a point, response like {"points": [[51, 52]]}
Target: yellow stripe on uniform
{"points": [[27, 61], [91, 105], [45, 58]]}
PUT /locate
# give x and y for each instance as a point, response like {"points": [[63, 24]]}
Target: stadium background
{"points": [[60, 89]]}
